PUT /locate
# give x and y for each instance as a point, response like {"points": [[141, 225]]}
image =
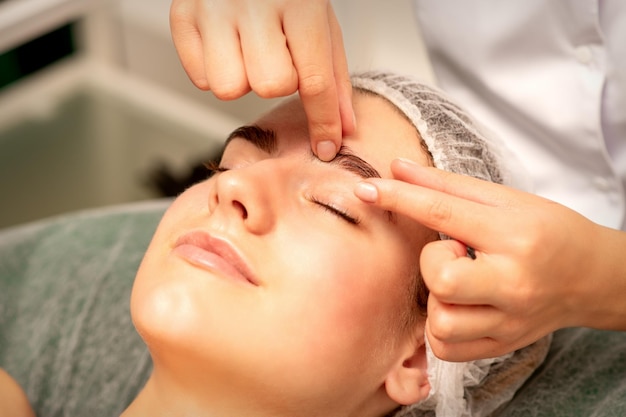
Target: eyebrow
{"points": [[347, 160], [266, 140]]}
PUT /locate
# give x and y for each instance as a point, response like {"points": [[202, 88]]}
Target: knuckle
{"points": [[441, 349], [444, 285], [225, 94], [200, 82], [441, 327], [439, 212], [527, 243], [325, 129], [229, 90], [271, 87], [314, 84]]}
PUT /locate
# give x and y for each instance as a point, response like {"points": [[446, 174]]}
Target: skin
{"points": [[474, 311], [13, 400], [324, 330]]}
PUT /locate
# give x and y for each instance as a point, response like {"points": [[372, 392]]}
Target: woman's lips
{"points": [[214, 254]]}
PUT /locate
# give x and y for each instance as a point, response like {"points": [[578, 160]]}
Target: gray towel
{"points": [[65, 330]]}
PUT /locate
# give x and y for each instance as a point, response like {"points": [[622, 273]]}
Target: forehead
{"points": [[382, 132]]}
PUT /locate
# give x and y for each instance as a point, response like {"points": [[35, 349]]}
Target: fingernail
{"points": [[366, 192], [326, 150]]}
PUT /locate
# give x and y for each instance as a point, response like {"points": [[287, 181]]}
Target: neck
{"points": [[165, 399]]}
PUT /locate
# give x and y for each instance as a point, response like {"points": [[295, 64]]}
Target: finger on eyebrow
{"points": [[347, 160]]}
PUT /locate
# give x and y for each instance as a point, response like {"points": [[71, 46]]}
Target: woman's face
{"points": [[272, 277]]}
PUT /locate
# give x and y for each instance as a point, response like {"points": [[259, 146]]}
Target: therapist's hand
{"points": [[539, 266], [274, 48]]}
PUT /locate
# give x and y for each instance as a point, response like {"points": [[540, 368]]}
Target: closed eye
{"points": [[214, 168], [339, 212]]}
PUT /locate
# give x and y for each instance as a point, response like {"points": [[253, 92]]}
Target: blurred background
{"points": [[93, 98]]}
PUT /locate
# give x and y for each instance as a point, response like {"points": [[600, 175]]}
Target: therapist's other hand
{"points": [[274, 48], [539, 266]]}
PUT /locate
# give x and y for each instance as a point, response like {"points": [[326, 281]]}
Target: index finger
{"points": [[472, 221], [310, 40]]}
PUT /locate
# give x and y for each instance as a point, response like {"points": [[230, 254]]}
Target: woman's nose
{"points": [[245, 195]]}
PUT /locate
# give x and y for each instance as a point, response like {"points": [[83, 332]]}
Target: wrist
{"points": [[603, 304]]}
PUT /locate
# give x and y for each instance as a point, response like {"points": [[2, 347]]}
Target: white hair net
{"points": [[459, 145], [448, 131]]}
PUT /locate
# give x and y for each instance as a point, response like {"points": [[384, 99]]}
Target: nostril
{"points": [[241, 208], [213, 201]]}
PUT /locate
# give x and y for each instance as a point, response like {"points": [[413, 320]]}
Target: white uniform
{"points": [[549, 77]]}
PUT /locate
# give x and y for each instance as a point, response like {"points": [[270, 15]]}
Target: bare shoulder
{"points": [[13, 400]]}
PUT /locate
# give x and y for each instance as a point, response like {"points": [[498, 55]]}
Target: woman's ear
{"points": [[407, 382]]}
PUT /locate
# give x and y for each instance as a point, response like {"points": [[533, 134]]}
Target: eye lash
{"points": [[213, 167], [341, 213]]}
